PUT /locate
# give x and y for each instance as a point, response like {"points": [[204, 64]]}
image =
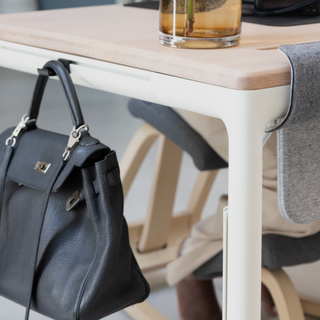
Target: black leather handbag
{"points": [[64, 247]]}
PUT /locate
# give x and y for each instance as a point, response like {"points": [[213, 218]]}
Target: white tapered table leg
{"points": [[246, 126], [244, 240]]}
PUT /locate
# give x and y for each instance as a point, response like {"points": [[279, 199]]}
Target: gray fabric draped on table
{"points": [[299, 137]]}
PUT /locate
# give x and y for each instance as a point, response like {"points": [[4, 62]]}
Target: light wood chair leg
{"points": [[200, 194], [181, 223], [135, 154], [283, 293], [176, 226], [144, 311], [159, 216], [311, 308]]}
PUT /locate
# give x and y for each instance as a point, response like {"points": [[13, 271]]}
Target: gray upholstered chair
{"points": [[154, 249]]}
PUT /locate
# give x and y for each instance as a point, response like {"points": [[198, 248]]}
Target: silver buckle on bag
{"points": [[22, 124], [42, 166], [74, 139], [72, 201]]}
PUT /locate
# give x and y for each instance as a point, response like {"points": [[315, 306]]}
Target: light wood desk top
{"points": [[129, 36]]}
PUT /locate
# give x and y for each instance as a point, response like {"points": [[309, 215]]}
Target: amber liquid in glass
{"points": [[204, 19]]}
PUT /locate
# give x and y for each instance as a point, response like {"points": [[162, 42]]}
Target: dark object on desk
{"points": [[64, 245], [61, 4], [300, 7], [279, 20], [283, 20]]}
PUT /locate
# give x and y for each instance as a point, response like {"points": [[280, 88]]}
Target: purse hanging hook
{"points": [[22, 124], [74, 139]]}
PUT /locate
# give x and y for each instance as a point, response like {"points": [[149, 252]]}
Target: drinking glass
{"points": [[200, 24]]}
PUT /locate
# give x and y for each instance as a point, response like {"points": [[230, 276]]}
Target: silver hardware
{"points": [[42, 167], [74, 139], [83, 127], [17, 130], [72, 201]]}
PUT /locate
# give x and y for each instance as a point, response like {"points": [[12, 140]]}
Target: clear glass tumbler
{"points": [[200, 24]]}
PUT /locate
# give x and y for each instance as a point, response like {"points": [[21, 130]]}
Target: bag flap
{"points": [[38, 153]]}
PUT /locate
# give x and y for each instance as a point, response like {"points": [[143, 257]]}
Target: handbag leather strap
{"points": [[4, 165], [37, 235], [56, 68]]}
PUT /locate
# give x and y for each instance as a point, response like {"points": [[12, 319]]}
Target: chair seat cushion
{"points": [[170, 124], [277, 251]]}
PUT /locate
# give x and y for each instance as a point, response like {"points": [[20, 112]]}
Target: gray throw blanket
{"points": [[299, 137]]}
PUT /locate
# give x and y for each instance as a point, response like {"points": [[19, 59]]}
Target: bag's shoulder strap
{"points": [[37, 234], [4, 165]]}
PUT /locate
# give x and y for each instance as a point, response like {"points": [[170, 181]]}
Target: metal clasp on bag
{"points": [[73, 201], [22, 124], [42, 167], [74, 139]]}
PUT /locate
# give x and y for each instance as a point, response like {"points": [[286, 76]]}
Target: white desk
{"points": [[245, 86]]}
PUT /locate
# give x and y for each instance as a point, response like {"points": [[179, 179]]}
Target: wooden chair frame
{"points": [[156, 239]]}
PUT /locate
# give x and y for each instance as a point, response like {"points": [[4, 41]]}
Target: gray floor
{"points": [[109, 120]]}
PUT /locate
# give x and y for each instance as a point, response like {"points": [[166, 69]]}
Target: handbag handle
{"points": [[54, 67]]}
